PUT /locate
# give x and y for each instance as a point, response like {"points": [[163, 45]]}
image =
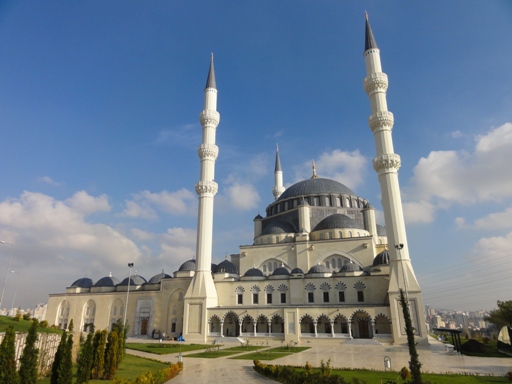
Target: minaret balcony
{"points": [[381, 120], [209, 118], [208, 151], [376, 82], [389, 161], [205, 187]]}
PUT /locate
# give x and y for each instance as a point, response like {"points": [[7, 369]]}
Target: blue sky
{"points": [[99, 105]]}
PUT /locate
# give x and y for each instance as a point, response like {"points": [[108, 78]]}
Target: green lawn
{"points": [[22, 325], [271, 354], [166, 348], [130, 368], [225, 352]]}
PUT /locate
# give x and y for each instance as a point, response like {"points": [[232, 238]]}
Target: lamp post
{"points": [[130, 265], [15, 289], [6, 271], [398, 248]]}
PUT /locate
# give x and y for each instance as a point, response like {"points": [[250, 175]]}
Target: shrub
{"points": [[158, 377], [18, 316], [43, 324], [26, 316], [509, 375], [405, 373]]}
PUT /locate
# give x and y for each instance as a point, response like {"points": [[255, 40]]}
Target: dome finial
{"points": [[314, 171], [226, 256]]}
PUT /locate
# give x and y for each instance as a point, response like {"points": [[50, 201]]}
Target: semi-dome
{"points": [[351, 267], [314, 187], [319, 268], [253, 272], [337, 221], [226, 267], [278, 227], [107, 281], [156, 279], [84, 282], [382, 258], [281, 271], [189, 265], [134, 280]]}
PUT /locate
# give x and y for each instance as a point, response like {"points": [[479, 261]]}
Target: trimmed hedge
{"points": [[158, 377]]}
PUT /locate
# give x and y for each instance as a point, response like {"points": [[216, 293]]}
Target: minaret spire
{"points": [[386, 164], [201, 293], [313, 166], [278, 177]]}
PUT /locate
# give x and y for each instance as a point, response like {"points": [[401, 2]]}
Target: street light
{"points": [[399, 247], [6, 271], [130, 265], [15, 289]]}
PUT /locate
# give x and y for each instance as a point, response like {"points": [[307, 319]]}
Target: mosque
{"points": [[319, 267]]}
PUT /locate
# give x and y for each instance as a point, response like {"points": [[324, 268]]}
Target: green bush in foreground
{"points": [[288, 375], [158, 377]]}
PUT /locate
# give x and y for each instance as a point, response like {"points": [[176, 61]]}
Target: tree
{"points": [[98, 362], [71, 326], [84, 362], [60, 372], [501, 316], [414, 363], [122, 332], [8, 374], [111, 356], [28, 368]]}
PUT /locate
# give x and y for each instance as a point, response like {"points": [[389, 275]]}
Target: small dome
{"points": [[84, 282], [134, 280], [258, 217], [381, 231], [156, 279], [296, 271], [107, 281], [319, 268], [281, 271], [382, 258], [351, 267], [214, 268], [337, 221], [226, 267], [278, 227], [315, 187], [189, 265], [253, 272]]}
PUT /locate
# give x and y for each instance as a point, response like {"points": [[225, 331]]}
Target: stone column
{"points": [[350, 329], [222, 328], [269, 323], [316, 330], [332, 328], [373, 328], [255, 325]]}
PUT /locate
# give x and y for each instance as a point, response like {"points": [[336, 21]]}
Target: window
{"points": [[283, 298], [360, 296], [255, 298], [311, 297], [173, 328], [341, 296], [269, 298], [240, 298], [326, 297]]}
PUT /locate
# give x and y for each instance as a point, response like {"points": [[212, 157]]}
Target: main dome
{"points": [[315, 187]]}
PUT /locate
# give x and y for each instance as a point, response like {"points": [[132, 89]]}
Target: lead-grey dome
{"points": [[156, 279], [226, 267], [281, 271], [382, 258], [319, 268], [351, 267], [315, 187], [84, 282], [107, 281], [337, 221], [189, 265], [253, 272], [278, 227], [297, 271], [134, 280]]}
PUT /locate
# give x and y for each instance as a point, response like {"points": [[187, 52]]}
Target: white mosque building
{"points": [[319, 267]]}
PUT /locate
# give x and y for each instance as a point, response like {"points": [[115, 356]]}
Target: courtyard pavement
{"points": [[352, 354]]}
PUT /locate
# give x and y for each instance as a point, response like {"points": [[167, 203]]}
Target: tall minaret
{"points": [[201, 293], [278, 177], [386, 164]]}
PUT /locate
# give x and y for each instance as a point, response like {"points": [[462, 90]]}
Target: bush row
{"points": [[158, 377]]}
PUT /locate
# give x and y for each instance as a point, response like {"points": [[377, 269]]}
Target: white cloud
{"points": [[146, 203], [178, 245], [186, 135], [48, 180], [497, 248], [418, 212], [136, 210], [460, 222], [348, 168], [456, 134], [493, 221], [243, 197], [142, 235], [87, 204]]}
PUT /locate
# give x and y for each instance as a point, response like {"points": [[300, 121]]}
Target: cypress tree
{"points": [[122, 332], [98, 364], [111, 356], [28, 368], [84, 363], [8, 373], [414, 363], [59, 356], [65, 370]]}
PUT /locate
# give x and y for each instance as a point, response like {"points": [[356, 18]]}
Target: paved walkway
{"points": [[343, 355]]}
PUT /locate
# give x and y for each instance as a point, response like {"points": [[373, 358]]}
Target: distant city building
{"points": [[319, 266]]}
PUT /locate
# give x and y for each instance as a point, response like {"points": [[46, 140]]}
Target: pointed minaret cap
{"points": [[369, 40], [210, 82], [314, 171], [278, 161]]}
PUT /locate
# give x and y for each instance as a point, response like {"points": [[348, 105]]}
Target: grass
{"points": [[214, 354], [130, 368], [271, 354], [22, 325], [164, 348]]}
